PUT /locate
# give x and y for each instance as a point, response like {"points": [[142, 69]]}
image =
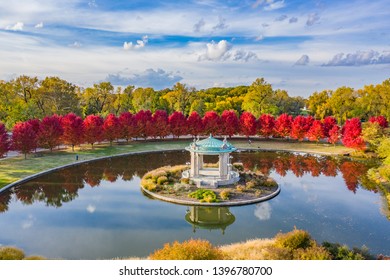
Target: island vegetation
{"points": [[167, 182]]}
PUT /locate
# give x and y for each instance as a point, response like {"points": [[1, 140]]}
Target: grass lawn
{"points": [[16, 168]]}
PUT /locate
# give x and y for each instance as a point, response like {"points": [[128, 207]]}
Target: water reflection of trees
{"points": [[62, 186], [354, 173]]}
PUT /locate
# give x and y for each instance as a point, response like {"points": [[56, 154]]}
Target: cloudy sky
{"points": [[297, 45]]}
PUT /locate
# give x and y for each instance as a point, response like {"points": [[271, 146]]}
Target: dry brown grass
{"points": [[255, 249]]}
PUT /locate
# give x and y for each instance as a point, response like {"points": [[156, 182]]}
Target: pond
{"points": [[96, 210]]}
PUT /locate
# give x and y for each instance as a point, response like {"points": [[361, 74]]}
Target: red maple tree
{"points": [[247, 124], [143, 126], [351, 135], [194, 124], [24, 138], [299, 128], [111, 128], [334, 134], [73, 127], [35, 124], [177, 124], [93, 129], [283, 125], [316, 131], [160, 124], [328, 123], [266, 125], [4, 140], [381, 120], [211, 123], [127, 125], [230, 124], [50, 132]]}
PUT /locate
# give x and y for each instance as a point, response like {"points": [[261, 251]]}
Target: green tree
{"points": [[342, 103], [143, 99], [260, 99], [373, 134], [97, 98], [58, 96], [180, 98], [374, 100], [317, 103]]}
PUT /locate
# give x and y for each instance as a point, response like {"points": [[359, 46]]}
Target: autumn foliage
{"points": [[160, 124], [211, 123], [93, 129], [50, 132], [111, 128], [334, 134], [127, 126], [381, 120], [188, 250], [230, 124], [266, 125], [24, 138], [177, 124], [352, 134], [247, 124], [4, 140], [72, 130], [283, 125], [316, 131], [194, 124], [142, 123]]}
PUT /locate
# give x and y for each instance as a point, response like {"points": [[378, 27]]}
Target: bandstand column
{"points": [[194, 171], [200, 161], [223, 165]]}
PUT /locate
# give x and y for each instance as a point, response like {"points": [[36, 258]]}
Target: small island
{"points": [[216, 184]]}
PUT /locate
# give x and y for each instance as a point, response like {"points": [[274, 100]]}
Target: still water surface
{"points": [[97, 211]]}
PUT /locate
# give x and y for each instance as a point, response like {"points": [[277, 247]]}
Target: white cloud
{"points": [[263, 211], [28, 223], [221, 24], [269, 5], [312, 19], [149, 78], [16, 27], [39, 25], [91, 209], [199, 25], [304, 60], [216, 51], [245, 56], [223, 51], [75, 44], [360, 58], [139, 45], [281, 18], [293, 20]]}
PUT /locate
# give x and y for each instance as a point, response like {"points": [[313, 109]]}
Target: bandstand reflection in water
{"points": [[211, 218]]}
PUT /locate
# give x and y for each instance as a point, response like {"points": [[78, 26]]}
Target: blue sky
{"points": [[300, 46]]}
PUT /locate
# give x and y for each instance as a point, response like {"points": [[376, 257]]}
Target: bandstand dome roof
{"points": [[210, 146]]}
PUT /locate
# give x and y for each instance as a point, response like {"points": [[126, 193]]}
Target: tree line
{"points": [[25, 98], [72, 130]]}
